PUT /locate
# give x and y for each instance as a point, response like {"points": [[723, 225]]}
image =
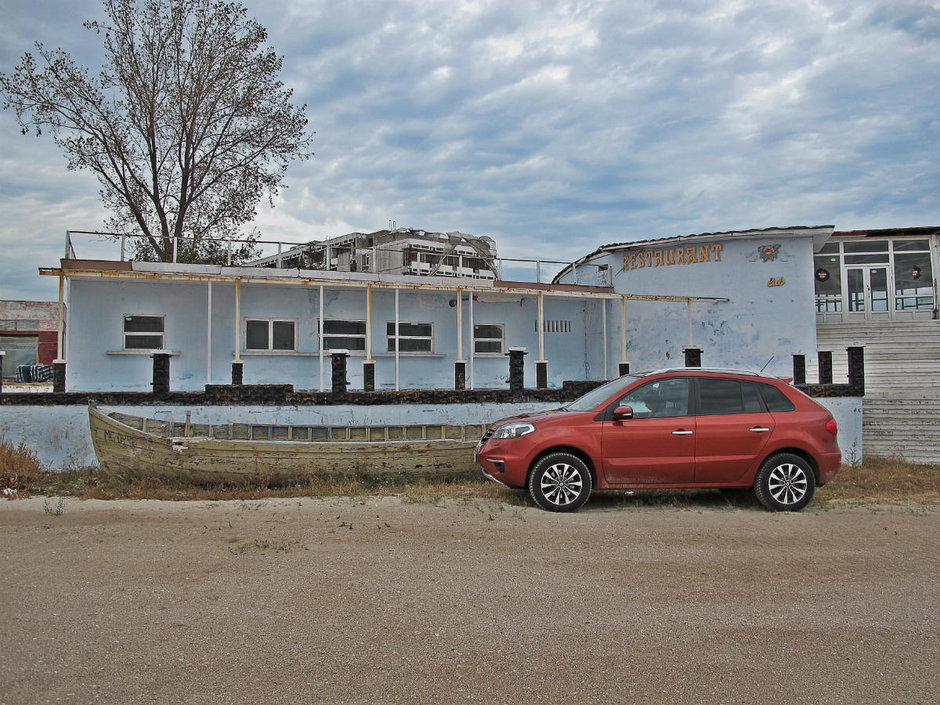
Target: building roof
{"points": [[819, 233]]}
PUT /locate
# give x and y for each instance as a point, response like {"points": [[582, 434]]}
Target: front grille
{"points": [[486, 436]]}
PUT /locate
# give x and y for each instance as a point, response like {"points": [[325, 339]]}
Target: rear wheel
{"points": [[785, 483], [560, 482]]}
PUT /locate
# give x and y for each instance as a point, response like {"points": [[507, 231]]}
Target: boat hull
{"points": [[129, 452]]}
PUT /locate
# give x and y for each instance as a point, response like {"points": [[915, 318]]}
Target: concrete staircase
{"points": [[901, 409]]}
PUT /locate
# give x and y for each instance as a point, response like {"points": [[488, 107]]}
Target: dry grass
{"points": [[877, 480], [19, 469], [884, 479]]}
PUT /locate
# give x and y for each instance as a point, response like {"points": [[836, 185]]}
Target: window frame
{"points": [[390, 338], [270, 326], [324, 336], [125, 333], [502, 340]]}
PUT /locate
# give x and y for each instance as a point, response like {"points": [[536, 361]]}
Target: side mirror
{"points": [[623, 412]]}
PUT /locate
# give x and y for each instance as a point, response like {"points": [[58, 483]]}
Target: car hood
{"points": [[548, 415]]}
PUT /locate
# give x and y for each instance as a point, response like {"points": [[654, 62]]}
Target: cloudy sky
{"points": [[553, 127]]}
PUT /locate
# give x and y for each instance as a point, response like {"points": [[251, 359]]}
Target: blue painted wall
{"points": [[770, 314], [96, 361]]}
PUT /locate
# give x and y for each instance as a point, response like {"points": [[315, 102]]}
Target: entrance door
{"points": [[868, 291]]}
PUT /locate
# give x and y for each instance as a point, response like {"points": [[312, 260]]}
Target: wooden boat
{"points": [[132, 446]]}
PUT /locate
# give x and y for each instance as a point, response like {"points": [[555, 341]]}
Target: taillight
{"points": [[832, 426]]}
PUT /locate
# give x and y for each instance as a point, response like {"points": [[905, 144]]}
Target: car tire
{"points": [[785, 483], [560, 482]]}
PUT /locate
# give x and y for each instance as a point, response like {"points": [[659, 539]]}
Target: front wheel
{"points": [[560, 482], [785, 483]]}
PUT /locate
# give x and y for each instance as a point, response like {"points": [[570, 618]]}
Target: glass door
{"points": [[867, 291]]}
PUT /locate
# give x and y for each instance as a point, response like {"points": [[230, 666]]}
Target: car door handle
{"points": [[759, 429], [681, 433]]}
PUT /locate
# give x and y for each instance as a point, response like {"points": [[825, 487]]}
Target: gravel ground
{"points": [[381, 600]]}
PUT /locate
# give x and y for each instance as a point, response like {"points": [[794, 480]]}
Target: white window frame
{"points": [[390, 338], [325, 336], [125, 333], [270, 324], [502, 340]]}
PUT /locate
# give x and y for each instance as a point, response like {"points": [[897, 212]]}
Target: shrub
{"points": [[19, 468]]}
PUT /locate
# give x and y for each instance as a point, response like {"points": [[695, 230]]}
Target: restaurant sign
{"points": [[673, 255]]}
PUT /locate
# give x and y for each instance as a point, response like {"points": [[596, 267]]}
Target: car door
{"points": [[732, 428], [657, 445]]}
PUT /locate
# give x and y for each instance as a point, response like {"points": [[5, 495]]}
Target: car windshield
{"points": [[590, 400]]}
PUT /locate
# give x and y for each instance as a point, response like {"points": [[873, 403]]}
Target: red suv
{"points": [[673, 428]]}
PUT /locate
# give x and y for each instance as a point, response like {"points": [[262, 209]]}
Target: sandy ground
{"points": [[380, 600]]}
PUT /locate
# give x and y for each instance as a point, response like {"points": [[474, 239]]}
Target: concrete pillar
{"points": [[2, 355], [368, 375], [825, 366], [516, 369], [338, 361], [161, 372], [58, 376], [857, 369], [693, 355], [238, 372], [460, 374], [623, 369], [541, 374], [799, 369]]}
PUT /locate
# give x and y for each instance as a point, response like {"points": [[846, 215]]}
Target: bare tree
{"points": [[186, 126]]}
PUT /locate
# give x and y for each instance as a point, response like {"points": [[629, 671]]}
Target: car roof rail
{"points": [[720, 370]]}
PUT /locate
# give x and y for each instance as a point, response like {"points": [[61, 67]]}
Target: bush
{"points": [[19, 468]]}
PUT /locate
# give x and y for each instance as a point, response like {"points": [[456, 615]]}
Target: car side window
{"points": [[719, 396], [664, 398], [775, 399]]}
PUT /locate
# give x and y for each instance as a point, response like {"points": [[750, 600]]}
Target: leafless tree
{"points": [[186, 126]]}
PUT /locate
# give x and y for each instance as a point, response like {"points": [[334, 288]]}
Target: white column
{"points": [[472, 346], [604, 332], [209, 332], [397, 358], [320, 335], [238, 320]]}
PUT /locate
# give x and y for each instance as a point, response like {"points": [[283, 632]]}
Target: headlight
{"points": [[513, 430]]}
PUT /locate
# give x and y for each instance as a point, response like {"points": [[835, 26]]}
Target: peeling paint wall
{"points": [[770, 314], [96, 361]]}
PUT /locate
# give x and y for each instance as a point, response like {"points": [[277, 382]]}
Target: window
{"points": [[662, 399], [913, 278], [775, 399], [270, 334], [488, 339], [412, 337], [727, 396], [828, 278], [344, 335], [144, 332]]}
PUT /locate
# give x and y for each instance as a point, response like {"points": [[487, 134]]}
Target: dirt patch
{"points": [[386, 600]]}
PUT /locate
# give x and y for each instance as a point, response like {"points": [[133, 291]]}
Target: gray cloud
{"points": [[558, 126]]}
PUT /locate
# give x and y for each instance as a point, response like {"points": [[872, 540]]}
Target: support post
{"points": [[460, 374], [516, 369], [825, 366], [799, 369], [58, 375], [161, 372], [2, 355], [693, 355], [368, 375], [338, 361], [857, 368], [541, 374]]}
